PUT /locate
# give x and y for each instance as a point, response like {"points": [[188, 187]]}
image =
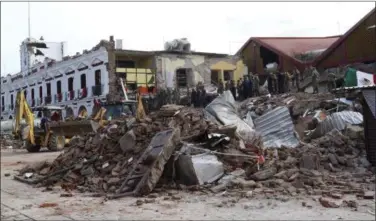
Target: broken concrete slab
{"points": [[128, 141], [369, 195], [198, 169], [242, 183], [154, 157], [330, 203], [264, 174]]}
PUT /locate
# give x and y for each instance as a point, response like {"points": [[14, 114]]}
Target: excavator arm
{"points": [[100, 116], [23, 111]]}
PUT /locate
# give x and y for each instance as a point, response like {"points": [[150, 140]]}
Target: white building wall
{"points": [[54, 50], [57, 69]]}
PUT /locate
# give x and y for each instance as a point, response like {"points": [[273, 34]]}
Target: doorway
{"points": [[214, 76], [181, 78]]}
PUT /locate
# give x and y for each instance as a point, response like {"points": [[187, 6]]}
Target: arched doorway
{"points": [[82, 111], [69, 112], [10, 117]]}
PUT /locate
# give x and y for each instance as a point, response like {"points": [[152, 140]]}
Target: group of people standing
{"points": [[278, 83], [198, 95], [243, 89]]}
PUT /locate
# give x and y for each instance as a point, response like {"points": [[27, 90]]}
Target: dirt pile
{"points": [[333, 164], [104, 162]]}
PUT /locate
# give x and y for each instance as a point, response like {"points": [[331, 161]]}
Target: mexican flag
{"points": [[354, 77]]}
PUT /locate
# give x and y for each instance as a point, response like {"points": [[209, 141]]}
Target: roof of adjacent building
{"points": [[290, 46], [337, 43]]}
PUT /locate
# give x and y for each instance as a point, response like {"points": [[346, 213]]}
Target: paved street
{"points": [[22, 202]]}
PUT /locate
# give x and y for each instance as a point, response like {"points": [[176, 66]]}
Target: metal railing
{"points": [[71, 95], [82, 93], [47, 99], [58, 98], [97, 90]]}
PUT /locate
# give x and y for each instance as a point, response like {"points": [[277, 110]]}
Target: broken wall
{"points": [[200, 68], [113, 85]]}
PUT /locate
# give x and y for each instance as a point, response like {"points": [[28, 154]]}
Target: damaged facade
{"points": [[149, 71]]}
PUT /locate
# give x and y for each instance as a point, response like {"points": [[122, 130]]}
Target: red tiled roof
{"points": [[343, 38], [289, 46], [293, 46]]}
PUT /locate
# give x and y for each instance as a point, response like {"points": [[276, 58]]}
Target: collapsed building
{"points": [[174, 68]]}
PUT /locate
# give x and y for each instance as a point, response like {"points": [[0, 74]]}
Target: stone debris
{"points": [[123, 159], [116, 161], [369, 195], [330, 203], [7, 142]]}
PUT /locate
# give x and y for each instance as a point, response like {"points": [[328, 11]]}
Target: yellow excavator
{"points": [[114, 110], [127, 110], [34, 131]]}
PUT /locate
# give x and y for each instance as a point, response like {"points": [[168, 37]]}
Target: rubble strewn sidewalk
{"points": [[184, 146], [6, 142]]}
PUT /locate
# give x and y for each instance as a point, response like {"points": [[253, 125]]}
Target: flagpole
{"points": [[28, 19]]}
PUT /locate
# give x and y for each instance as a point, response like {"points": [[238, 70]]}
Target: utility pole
{"points": [[29, 37]]}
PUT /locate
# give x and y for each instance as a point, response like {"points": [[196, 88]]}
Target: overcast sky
{"points": [[220, 27]]}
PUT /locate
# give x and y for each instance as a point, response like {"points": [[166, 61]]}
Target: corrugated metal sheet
{"points": [[337, 121], [277, 128], [370, 97]]}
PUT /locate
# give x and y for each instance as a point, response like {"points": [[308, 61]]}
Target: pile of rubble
{"points": [[334, 163], [188, 146], [114, 159], [297, 103]]}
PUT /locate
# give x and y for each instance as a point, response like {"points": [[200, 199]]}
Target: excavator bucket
{"points": [[79, 127], [71, 128]]}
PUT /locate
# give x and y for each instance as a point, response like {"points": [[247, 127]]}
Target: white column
{"points": [[104, 79], [76, 83], [90, 76]]}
